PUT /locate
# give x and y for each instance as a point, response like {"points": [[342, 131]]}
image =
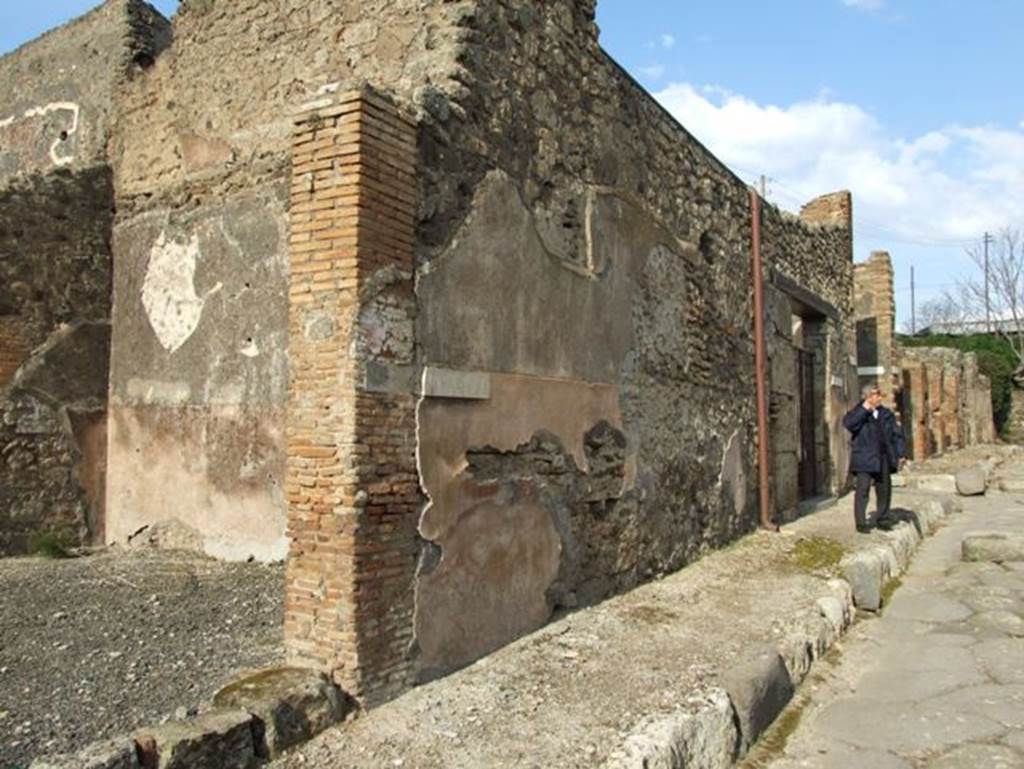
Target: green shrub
{"points": [[1000, 371], [996, 360], [49, 545]]}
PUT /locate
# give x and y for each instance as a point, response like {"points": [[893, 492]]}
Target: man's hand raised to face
{"points": [[873, 401]]}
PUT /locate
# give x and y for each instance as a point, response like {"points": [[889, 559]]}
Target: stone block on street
{"points": [[702, 733], [834, 613], [944, 483], [1012, 484], [291, 705], [220, 739], [995, 547], [759, 690], [109, 754], [864, 573], [971, 482]]}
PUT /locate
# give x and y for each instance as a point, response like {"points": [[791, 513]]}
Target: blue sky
{"points": [[909, 103]]}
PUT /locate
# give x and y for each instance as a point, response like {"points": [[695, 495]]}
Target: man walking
{"points": [[878, 450]]}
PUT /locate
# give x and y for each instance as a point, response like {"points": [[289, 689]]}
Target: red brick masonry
{"points": [[352, 485]]}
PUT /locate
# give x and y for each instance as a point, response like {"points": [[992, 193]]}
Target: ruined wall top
{"points": [[59, 89], [836, 208], [875, 311]]}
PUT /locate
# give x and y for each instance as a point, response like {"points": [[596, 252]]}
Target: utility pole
{"points": [[764, 186], [988, 300], [913, 304]]}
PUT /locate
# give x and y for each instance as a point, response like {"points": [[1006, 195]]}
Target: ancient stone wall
{"points": [[54, 311], [810, 312], [202, 163], [56, 208], [875, 316], [942, 400], [521, 378], [57, 106], [945, 403], [574, 246]]}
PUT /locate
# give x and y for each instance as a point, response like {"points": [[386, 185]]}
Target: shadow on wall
{"points": [[867, 342], [54, 356]]}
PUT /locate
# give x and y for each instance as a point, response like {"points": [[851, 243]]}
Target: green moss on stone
{"points": [[818, 554], [771, 746], [49, 545], [889, 589], [263, 685]]}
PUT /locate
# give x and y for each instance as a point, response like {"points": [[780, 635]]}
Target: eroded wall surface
{"points": [[574, 374], [945, 403], [202, 167], [580, 346], [56, 209], [875, 309], [572, 236]]}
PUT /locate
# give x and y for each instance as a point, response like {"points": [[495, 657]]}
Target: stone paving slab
{"points": [[937, 682]]}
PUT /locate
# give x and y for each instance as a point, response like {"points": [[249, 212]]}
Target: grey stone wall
{"points": [[201, 157], [574, 235], [54, 310], [581, 258], [56, 212], [57, 105]]}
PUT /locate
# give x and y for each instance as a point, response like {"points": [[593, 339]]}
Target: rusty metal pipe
{"points": [[760, 365]]}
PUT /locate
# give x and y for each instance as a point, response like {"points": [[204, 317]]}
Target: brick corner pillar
{"points": [[352, 485], [874, 302]]}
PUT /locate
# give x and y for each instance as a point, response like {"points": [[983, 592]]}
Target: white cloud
{"points": [[653, 72], [865, 5], [949, 183], [667, 41]]}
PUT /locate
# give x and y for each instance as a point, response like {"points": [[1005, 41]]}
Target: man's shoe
{"points": [[886, 524], [864, 529]]}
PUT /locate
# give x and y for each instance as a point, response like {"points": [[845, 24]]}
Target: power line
{"points": [[929, 287], [863, 225]]}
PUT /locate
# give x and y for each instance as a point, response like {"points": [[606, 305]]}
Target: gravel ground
{"points": [[96, 646]]}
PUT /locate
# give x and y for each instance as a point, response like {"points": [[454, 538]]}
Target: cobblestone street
{"points": [[937, 682]]}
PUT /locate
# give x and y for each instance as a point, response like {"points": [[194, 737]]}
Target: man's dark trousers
{"points": [[883, 495]]}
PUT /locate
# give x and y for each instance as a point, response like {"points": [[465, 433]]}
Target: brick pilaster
{"points": [[352, 485], [14, 346]]}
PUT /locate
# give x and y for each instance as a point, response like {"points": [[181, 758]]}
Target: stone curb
{"points": [[254, 719], [715, 728], [970, 481]]}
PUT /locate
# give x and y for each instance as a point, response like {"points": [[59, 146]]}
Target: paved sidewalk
{"points": [[937, 682], [637, 680]]}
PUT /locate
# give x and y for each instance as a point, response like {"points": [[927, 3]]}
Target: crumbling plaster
{"points": [[600, 255], [575, 247]]}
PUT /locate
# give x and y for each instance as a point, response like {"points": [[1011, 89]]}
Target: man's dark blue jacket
{"points": [[874, 440]]}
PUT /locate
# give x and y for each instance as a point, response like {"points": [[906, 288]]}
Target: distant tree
{"points": [[945, 312], [1005, 295]]}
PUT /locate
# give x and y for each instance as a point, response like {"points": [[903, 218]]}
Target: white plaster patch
{"points": [[732, 475], [251, 349], [169, 294], [57, 106]]}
